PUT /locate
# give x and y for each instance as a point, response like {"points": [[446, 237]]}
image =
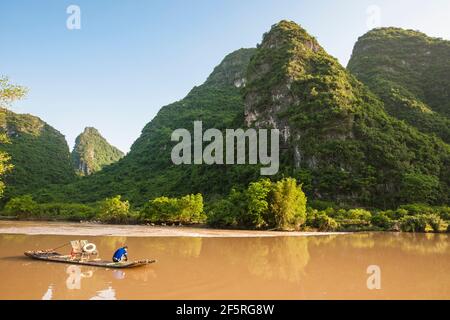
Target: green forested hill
{"points": [[92, 152], [39, 153], [337, 138], [336, 130], [410, 72]]}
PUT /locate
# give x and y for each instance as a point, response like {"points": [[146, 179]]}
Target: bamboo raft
{"points": [[53, 256]]}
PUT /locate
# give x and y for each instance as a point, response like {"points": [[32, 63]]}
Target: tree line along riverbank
{"points": [[263, 205]]}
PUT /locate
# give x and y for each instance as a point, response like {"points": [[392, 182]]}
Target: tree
{"points": [[23, 206], [190, 208], [8, 94], [288, 204], [5, 165], [257, 202], [358, 214], [222, 213], [114, 210], [187, 209], [421, 188]]}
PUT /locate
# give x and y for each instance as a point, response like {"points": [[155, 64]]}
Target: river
{"points": [[217, 264]]}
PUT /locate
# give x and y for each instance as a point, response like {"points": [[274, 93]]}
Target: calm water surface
{"points": [[317, 267]]}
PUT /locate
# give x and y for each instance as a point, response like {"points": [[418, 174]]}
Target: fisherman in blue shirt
{"points": [[121, 254]]}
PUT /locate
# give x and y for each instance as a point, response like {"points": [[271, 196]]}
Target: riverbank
{"points": [[93, 229]]}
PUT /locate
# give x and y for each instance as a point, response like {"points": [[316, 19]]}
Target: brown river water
{"points": [[217, 264]]}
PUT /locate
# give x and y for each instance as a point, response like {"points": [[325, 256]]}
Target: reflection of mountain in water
{"points": [[283, 258], [274, 259], [424, 244]]}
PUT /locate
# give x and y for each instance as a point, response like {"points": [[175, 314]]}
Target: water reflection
{"points": [[118, 274], [111, 244], [282, 259], [424, 244], [73, 282]]}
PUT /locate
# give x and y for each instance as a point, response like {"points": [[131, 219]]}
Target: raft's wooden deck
{"points": [[56, 257]]}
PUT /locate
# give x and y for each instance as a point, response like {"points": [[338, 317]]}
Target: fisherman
{"points": [[121, 254]]}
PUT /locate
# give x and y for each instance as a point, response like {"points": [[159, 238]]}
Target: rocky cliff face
{"points": [[284, 78], [39, 153], [92, 152]]}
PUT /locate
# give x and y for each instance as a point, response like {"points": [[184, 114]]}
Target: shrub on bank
{"points": [[382, 220], [24, 207], [114, 210], [187, 209], [65, 211], [417, 209], [321, 221], [222, 213], [358, 214], [407, 218], [421, 223]]}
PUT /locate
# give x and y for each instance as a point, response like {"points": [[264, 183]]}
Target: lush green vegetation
{"points": [[92, 152], [407, 218], [8, 94], [24, 207], [39, 153], [5, 165], [114, 210], [410, 72], [187, 209], [264, 204]]}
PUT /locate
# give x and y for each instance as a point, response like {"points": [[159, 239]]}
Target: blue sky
{"points": [[130, 58]]}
